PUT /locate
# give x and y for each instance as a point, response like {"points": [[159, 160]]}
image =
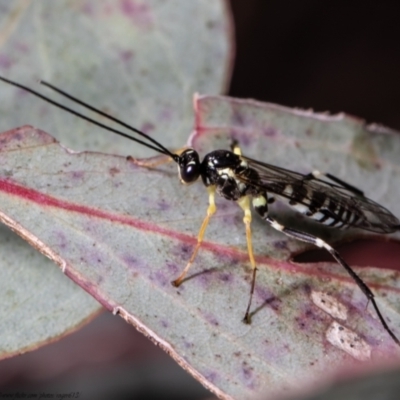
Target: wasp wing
{"points": [[328, 203]]}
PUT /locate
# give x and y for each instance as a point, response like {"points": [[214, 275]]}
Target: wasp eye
{"points": [[189, 166]]}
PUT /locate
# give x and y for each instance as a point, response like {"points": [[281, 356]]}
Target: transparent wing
{"points": [[318, 198]]}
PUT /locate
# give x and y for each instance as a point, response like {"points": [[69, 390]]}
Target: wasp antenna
{"points": [[160, 149], [110, 117]]}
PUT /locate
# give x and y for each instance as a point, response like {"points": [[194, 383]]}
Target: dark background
{"points": [[341, 56], [329, 56]]}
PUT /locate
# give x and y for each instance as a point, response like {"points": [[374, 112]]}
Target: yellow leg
{"points": [[210, 211], [244, 203], [153, 161], [235, 148]]}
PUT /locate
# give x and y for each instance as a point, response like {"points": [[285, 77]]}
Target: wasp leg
{"points": [[153, 161], [235, 147], [210, 211], [305, 237], [316, 175], [244, 203]]}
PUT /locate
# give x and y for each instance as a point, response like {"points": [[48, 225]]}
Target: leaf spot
{"points": [[348, 341], [164, 323], [329, 304], [113, 171]]}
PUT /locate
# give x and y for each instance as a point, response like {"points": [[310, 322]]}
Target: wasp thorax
{"points": [[189, 166]]}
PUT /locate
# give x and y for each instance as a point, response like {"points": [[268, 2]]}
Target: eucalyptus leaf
{"points": [[123, 232]]}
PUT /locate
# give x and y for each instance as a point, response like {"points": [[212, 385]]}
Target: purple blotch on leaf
{"points": [[161, 279], [211, 376], [78, 174], [147, 127], [137, 12], [210, 318], [226, 277], [126, 55], [269, 132], [163, 205], [61, 240], [164, 323], [247, 371], [5, 62], [172, 268]]}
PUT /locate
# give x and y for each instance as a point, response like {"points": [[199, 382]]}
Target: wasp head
{"points": [[189, 166]]}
